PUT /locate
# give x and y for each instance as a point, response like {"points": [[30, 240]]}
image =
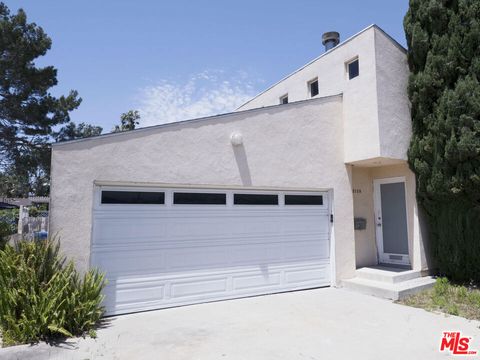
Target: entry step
{"points": [[389, 290], [387, 274]]}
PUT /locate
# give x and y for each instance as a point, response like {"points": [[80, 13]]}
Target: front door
{"points": [[391, 221]]}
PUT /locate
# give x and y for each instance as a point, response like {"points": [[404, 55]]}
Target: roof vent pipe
{"points": [[330, 39]]}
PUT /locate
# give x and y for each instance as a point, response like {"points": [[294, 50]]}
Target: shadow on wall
{"points": [[242, 163]]}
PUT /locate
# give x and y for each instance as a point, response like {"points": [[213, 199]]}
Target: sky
{"points": [[177, 60]]}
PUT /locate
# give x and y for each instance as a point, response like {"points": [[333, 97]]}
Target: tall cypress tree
{"points": [[443, 38]]}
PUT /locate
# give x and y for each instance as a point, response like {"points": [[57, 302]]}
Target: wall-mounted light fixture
{"points": [[236, 139]]}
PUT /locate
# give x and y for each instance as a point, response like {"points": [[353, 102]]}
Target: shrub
{"points": [[10, 216], [441, 287], [42, 297], [5, 231]]}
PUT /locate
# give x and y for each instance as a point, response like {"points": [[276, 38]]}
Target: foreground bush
{"points": [[42, 297], [5, 232]]}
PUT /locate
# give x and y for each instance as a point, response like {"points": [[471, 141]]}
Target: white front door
{"points": [[391, 220], [163, 247]]}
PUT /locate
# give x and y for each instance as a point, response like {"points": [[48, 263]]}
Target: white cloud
{"points": [[204, 94]]}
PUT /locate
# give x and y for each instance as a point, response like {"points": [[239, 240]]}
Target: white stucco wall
{"points": [[293, 146], [360, 123], [365, 246], [365, 243], [393, 105], [376, 118]]}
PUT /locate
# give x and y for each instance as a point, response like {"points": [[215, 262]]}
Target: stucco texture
{"points": [[295, 146], [366, 248], [376, 111]]}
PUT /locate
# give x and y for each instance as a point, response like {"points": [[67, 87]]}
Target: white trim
{"points": [[347, 70], [382, 256], [333, 273], [231, 116], [136, 184]]}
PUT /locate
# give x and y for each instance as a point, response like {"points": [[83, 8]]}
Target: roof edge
{"points": [[195, 120], [396, 43]]}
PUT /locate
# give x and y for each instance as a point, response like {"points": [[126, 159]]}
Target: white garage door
{"points": [[168, 247]]}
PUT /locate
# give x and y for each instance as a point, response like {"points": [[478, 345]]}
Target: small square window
{"points": [[353, 69], [313, 87], [284, 99]]}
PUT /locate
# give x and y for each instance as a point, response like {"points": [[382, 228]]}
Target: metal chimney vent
{"points": [[330, 39]]}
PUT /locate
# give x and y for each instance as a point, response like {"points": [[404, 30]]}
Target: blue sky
{"points": [[181, 59]]}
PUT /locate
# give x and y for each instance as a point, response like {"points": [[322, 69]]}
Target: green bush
{"points": [[8, 225], [441, 287], [5, 231], [10, 216], [42, 297], [455, 241]]}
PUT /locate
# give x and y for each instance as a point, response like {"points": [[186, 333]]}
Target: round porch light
{"points": [[236, 139]]}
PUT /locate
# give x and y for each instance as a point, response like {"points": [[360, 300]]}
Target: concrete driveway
{"points": [[315, 324]]}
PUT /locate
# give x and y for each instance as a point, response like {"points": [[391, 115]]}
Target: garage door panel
{"points": [[123, 229], [265, 279], [118, 263], [305, 250], [137, 294], [199, 287], [196, 257], [306, 275], [167, 255], [311, 224], [192, 287], [187, 227], [256, 254], [212, 257], [254, 226]]}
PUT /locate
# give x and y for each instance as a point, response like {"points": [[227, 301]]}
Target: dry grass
{"points": [[448, 298]]}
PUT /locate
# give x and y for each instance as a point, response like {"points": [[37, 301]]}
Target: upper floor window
{"points": [[313, 87], [284, 99], [353, 69]]}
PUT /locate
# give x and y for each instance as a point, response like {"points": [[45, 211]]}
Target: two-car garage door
{"points": [[166, 247]]}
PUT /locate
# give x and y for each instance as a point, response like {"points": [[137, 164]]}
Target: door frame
{"points": [[402, 259]]}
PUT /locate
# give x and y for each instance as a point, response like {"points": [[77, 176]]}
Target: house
{"points": [[301, 187]]}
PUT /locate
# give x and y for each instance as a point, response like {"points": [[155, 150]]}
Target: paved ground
{"points": [[316, 324]]}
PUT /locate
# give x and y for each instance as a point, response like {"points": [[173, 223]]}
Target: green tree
{"points": [[71, 131], [28, 112], [128, 121], [443, 38]]}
